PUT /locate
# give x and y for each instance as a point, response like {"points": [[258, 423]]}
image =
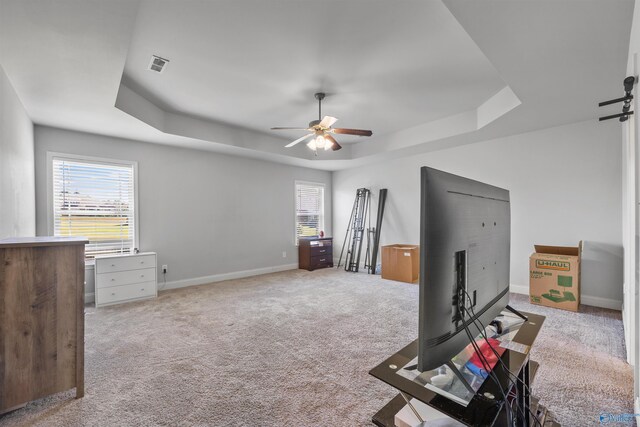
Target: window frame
{"points": [[51, 155], [295, 208]]}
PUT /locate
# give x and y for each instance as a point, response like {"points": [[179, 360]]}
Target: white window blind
{"points": [[95, 200], [309, 209]]}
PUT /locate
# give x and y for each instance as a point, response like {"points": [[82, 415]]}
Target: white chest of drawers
{"points": [[125, 278]]}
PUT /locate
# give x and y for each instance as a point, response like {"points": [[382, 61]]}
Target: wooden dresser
{"points": [[41, 318], [315, 252], [123, 278]]}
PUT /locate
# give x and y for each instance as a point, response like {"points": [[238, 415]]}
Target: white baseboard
{"points": [[629, 339], [584, 299], [224, 276], [519, 289], [89, 298], [601, 302]]}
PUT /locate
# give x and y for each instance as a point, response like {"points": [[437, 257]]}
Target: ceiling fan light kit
{"points": [[321, 131], [319, 142]]}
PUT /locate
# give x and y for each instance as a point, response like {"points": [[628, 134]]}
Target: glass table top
{"points": [[443, 380]]}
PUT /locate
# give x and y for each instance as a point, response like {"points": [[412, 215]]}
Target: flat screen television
{"points": [[465, 232]]}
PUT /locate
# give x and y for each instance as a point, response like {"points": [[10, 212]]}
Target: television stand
{"points": [[461, 377], [516, 312], [486, 407]]}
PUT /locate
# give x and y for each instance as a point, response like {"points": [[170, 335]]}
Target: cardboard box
{"points": [[554, 276], [401, 263]]}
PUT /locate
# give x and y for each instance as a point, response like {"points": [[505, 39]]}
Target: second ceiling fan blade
{"points": [[281, 128], [327, 122], [334, 144], [302, 138], [359, 132]]}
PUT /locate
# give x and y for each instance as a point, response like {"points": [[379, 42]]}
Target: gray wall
{"points": [[207, 215], [17, 188], [565, 185]]}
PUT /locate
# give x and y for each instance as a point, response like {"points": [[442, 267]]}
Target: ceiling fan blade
{"points": [[291, 144], [359, 132], [334, 144], [327, 122], [281, 128]]}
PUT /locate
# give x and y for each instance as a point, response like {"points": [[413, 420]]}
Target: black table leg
{"points": [[523, 397]]}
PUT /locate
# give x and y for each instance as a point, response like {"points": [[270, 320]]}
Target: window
{"points": [[95, 199], [309, 209]]}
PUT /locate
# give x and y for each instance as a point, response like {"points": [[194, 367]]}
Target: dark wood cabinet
{"points": [[315, 252], [41, 318]]}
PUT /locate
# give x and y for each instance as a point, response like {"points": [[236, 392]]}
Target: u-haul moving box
{"points": [[554, 276]]}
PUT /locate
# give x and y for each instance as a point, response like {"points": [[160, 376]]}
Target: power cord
{"points": [[491, 374], [482, 332], [483, 359], [486, 365], [475, 319], [509, 375]]}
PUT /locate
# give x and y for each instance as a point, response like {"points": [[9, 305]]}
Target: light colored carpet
{"points": [[295, 348]]}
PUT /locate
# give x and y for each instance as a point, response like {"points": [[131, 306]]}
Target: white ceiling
{"points": [[385, 65], [421, 74]]}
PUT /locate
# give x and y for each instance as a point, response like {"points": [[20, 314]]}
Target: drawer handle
{"points": [[323, 259], [113, 293], [113, 265], [142, 275], [142, 289], [323, 251], [113, 280], [141, 262]]}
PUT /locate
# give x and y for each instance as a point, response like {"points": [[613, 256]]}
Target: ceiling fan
{"points": [[321, 130]]}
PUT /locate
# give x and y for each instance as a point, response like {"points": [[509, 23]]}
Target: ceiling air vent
{"points": [[157, 64]]}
